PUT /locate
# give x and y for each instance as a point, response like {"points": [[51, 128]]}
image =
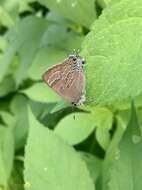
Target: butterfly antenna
{"points": [[76, 52]]}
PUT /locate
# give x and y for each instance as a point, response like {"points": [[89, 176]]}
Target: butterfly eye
{"points": [[74, 58], [83, 61]]}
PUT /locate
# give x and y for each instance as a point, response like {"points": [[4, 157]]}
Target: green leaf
{"points": [[105, 3], [13, 7], [41, 92], [19, 109], [5, 18], [124, 9], [126, 160], [114, 62], [22, 43], [7, 118], [41, 109], [103, 122], [75, 127], [7, 85], [79, 11], [93, 163], [67, 171], [6, 155]]}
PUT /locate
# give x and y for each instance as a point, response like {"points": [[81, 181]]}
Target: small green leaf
{"points": [[93, 163], [41, 92], [20, 126], [114, 62], [103, 122], [6, 155], [67, 171], [75, 127], [82, 12]]}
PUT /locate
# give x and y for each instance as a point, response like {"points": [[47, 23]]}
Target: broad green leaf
{"points": [[60, 168], [6, 155], [127, 161], [41, 92], [114, 62], [82, 12], [93, 163], [75, 127], [19, 109], [124, 9]]}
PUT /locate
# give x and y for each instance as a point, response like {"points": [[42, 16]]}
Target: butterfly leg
{"points": [[80, 102]]}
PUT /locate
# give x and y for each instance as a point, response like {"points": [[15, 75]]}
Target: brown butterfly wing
{"points": [[68, 83], [73, 86], [53, 75]]}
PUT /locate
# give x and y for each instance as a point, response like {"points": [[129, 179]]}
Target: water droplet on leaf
{"points": [[27, 184], [45, 169], [136, 139], [117, 154], [73, 4]]}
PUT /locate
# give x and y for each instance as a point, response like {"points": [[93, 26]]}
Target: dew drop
{"points": [[136, 139], [108, 184], [73, 4], [27, 184], [117, 154], [45, 169]]}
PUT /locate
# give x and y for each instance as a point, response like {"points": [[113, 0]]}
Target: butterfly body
{"points": [[68, 79]]}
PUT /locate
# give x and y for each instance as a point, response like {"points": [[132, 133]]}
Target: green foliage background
{"points": [[45, 143]]}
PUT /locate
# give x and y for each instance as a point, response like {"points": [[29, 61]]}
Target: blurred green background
{"points": [[46, 143]]}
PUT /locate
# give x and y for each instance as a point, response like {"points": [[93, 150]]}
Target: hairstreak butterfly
{"points": [[68, 79]]}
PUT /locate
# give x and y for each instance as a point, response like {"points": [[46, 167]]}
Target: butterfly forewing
{"points": [[53, 75], [66, 81]]}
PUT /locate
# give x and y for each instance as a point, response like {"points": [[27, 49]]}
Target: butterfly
{"points": [[68, 79]]}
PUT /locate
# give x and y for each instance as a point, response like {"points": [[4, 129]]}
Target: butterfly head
{"points": [[77, 60]]}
